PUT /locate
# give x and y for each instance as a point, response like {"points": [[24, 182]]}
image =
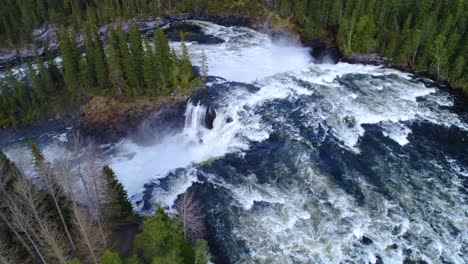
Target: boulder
{"points": [[191, 33], [322, 53]]}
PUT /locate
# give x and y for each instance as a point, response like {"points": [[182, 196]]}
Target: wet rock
{"points": [[45, 34], [366, 241], [372, 59], [227, 21], [210, 117], [168, 117], [108, 119], [378, 260], [282, 37], [7, 56], [192, 33], [322, 53], [392, 247], [350, 121]]}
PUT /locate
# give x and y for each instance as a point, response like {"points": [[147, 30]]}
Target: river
{"points": [[310, 163]]}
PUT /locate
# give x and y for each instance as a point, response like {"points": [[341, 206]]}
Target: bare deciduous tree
{"points": [[89, 238], [52, 187], [52, 239], [12, 216], [89, 171], [190, 215], [7, 255]]}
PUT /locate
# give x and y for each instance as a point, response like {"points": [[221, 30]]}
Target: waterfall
{"points": [[194, 120]]}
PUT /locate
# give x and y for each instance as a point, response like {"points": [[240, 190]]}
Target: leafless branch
{"points": [[190, 215]]}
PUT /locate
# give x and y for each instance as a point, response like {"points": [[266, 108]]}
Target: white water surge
{"points": [[304, 215]]}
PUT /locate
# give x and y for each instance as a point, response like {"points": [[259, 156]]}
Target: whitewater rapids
{"points": [[311, 163]]}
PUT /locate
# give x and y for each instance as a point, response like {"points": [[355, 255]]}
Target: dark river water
{"points": [[310, 163]]}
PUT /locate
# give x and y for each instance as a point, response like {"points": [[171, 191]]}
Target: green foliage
{"points": [[162, 241], [124, 207], [110, 257], [164, 63], [202, 253], [127, 70], [427, 35], [74, 261], [116, 72], [132, 260]]}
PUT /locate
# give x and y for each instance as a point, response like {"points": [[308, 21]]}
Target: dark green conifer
{"points": [[125, 208]]}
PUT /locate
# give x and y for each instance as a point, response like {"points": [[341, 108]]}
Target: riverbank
{"points": [[111, 118]]}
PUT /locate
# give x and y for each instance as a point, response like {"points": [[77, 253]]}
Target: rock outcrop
{"points": [[108, 119]]}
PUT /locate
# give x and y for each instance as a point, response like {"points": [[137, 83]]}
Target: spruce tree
{"points": [[164, 62], [100, 61], [150, 74], [131, 75], [51, 65], [47, 83], [185, 64], [90, 59], [136, 50], [70, 64], [162, 241], [125, 208], [116, 74]]}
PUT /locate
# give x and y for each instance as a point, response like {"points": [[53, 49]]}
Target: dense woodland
{"points": [[422, 34], [128, 66], [67, 214]]}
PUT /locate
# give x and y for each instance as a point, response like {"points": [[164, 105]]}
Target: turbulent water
{"points": [[311, 163]]}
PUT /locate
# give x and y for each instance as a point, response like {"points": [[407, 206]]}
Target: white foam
{"points": [[246, 55]]}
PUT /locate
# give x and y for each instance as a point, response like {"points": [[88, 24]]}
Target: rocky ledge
{"points": [[108, 119]]}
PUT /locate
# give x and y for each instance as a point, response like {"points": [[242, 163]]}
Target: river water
{"points": [[311, 163]]}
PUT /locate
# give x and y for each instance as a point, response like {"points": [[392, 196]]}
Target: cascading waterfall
{"points": [[307, 163]]}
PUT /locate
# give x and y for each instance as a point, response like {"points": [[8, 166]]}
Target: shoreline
{"points": [[47, 34]]}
